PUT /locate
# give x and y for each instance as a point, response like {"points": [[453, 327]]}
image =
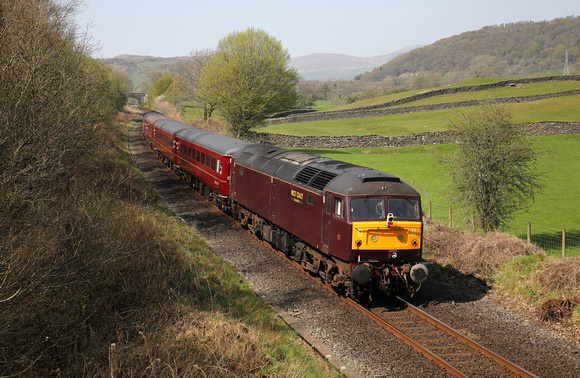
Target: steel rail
{"points": [[480, 348]]}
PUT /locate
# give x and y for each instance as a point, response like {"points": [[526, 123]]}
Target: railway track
{"points": [[455, 352]]}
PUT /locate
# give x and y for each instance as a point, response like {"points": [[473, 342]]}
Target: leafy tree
{"points": [[161, 86], [494, 169], [248, 79], [115, 88]]}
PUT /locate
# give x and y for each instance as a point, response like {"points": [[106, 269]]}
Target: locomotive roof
{"points": [[319, 173]]}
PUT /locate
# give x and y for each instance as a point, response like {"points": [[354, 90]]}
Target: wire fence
{"points": [[555, 242]]}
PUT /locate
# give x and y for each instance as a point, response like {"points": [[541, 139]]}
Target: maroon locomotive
{"points": [[358, 228]]}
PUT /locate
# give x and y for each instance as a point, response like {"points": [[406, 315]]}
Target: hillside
{"points": [[138, 67], [507, 50], [339, 66]]}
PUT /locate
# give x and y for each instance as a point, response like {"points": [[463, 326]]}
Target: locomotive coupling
{"points": [[419, 273]]}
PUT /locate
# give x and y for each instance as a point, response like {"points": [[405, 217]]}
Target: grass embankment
{"points": [[108, 279]]}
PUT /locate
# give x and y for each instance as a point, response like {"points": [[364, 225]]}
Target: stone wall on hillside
{"points": [[387, 108], [368, 141]]}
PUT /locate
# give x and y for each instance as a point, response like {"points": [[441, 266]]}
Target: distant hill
{"points": [[139, 66], [338, 66], [310, 67], [507, 50]]}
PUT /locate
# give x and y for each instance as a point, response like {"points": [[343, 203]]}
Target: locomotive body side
{"points": [[290, 208]]}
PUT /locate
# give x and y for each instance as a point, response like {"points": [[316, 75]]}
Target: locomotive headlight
{"points": [[394, 255], [390, 219]]}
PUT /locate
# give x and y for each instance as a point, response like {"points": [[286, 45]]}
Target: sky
{"points": [[361, 28]]}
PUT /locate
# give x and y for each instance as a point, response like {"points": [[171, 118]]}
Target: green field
{"points": [[554, 209], [554, 109], [520, 90]]}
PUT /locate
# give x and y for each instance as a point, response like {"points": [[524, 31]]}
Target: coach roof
{"points": [[223, 145]]}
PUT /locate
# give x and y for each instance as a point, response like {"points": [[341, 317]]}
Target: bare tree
{"points": [[51, 99], [188, 79]]}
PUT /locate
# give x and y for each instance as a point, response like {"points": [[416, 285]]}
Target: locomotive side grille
{"points": [[314, 177], [321, 179], [305, 175]]}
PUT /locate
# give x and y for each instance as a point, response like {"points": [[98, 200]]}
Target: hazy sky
{"points": [[362, 28]]}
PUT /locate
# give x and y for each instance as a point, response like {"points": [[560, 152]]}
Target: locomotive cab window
{"points": [[338, 207], [403, 208], [368, 208]]}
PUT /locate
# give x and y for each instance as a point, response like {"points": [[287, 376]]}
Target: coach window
{"points": [[198, 156], [213, 163], [203, 158], [338, 207], [207, 161]]}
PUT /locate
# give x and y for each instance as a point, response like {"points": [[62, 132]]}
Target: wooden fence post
{"points": [[564, 243], [429, 209], [529, 232], [113, 359], [450, 217]]}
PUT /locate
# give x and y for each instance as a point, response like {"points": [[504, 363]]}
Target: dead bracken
{"points": [[555, 309]]}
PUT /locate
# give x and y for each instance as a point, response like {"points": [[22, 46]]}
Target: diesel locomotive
{"points": [[359, 229]]}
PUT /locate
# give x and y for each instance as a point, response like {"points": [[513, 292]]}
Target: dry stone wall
{"points": [[368, 141], [387, 108]]}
